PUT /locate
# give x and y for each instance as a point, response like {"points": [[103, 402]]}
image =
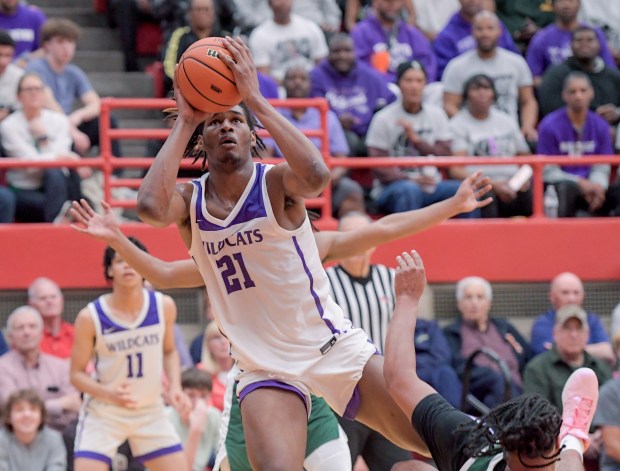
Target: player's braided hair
{"points": [[193, 150], [527, 425]]}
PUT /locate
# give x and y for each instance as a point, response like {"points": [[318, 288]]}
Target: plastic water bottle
{"points": [[551, 202]]}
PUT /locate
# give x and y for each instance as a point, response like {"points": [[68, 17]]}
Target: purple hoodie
{"points": [[24, 27], [456, 38], [360, 93], [404, 44], [551, 46]]}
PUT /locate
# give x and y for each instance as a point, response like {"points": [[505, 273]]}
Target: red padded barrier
{"points": [[510, 251]]}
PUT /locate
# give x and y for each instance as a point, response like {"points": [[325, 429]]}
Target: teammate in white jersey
{"points": [[246, 227], [129, 334]]}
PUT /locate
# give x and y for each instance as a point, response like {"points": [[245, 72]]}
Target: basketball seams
{"points": [[208, 66], [197, 90]]}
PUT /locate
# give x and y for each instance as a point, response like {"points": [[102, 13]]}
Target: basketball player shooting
{"points": [[246, 227]]}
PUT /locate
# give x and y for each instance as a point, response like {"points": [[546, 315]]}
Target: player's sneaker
{"points": [[579, 399]]}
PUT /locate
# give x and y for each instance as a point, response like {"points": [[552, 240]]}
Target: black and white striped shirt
{"points": [[367, 302]]}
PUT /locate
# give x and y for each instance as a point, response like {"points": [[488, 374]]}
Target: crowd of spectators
{"points": [[34, 364], [513, 78], [357, 55]]}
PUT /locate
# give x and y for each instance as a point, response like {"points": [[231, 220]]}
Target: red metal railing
{"points": [[107, 163]]}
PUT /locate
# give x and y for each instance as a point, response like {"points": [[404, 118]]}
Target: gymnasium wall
{"points": [[520, 250]]}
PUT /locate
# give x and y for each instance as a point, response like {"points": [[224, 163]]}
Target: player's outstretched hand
{"points": [[410, 277], [471, 190], [242, 67], [100, 226], [122, 396]]}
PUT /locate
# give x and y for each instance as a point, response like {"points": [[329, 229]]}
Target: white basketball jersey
{"points": [[269, 291], [133, 352]]}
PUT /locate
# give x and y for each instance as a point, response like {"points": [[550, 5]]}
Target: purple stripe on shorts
{"points": [[317, 301], [157, 453], [271, 384], [353, 406], [91, 455], [82, 419]]}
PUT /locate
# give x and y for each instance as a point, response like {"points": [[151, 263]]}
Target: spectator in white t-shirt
{"points": [[286, 40], [510, 72], [481, 130], [409, 129]]}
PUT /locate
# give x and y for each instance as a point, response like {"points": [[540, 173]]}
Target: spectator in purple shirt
{"points": [[575, 130], [384, 40], [347, 195], [552, 44], [586, 47], [24, 23], [354, 90], [456, 37]]}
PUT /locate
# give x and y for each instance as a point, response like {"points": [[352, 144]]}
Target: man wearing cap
{"points": [[547, 373], [406, 128], [567, 288]]}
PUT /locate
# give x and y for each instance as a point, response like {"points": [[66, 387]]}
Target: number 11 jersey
{"points": [[131, 352]]}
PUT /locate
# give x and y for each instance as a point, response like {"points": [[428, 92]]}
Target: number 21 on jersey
{"points": [[234, 273]]}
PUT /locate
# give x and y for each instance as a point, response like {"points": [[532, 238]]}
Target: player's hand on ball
{"points": [[187, 112], [410, 277], [242, 67]]}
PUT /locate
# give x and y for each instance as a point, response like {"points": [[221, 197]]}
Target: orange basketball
{"points": [[204, 79]]}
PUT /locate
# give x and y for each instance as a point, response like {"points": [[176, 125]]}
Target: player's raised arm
{"points": [[161, 274], [160, 200], [335, 245], [305, 173], [399, 368]]}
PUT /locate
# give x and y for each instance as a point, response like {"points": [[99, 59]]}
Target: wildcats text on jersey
{"points": [[138, 341], [240, 238]]}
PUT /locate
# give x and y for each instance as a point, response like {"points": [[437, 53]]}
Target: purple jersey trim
{"points": [[252, 208], [158, 453], [151, 318], [353, 406], [271, 384], [91, 455], [317, 301], [108, 326]]}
